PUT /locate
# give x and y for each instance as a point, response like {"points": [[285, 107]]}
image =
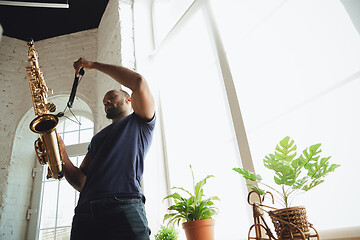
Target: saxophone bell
{"points": [[47, 145]]}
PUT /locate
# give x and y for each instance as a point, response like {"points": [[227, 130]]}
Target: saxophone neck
{"points": [[33, 55], [38, 88]]}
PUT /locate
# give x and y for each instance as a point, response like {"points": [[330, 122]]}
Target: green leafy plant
{"points": [[290, 172], [167, 233], [191, 208]]}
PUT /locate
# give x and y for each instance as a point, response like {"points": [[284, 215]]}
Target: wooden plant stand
{"points": [[261, 231]]}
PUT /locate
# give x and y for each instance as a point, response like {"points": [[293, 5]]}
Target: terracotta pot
{"points": [[199, 229]]}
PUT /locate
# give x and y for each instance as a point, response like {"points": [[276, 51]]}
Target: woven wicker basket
{"points": [[290, 220]]}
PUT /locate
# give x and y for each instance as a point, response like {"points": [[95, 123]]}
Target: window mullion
{"points": [[238, 124], [57, 209]]}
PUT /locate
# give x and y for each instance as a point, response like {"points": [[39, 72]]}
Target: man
{"points": [[110, 205]]}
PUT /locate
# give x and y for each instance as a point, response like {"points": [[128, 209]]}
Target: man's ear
{"points": [[128, 100]]}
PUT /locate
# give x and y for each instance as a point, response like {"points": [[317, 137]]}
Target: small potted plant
{"points": [[167, 233], [194, 211], [293, 175]]}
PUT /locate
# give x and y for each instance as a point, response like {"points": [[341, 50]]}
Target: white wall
{"points": [[56, 57], [17, 157], [109, 51], [14, 103]]}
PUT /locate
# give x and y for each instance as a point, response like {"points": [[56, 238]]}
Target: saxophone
{"points": [[47, 145]]}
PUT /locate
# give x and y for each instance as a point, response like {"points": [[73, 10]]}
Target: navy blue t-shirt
{"points": [[117, 159]]}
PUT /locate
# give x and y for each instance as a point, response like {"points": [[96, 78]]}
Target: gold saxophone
{"points": [[47, 145]]}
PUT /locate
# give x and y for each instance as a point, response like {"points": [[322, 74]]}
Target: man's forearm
{"points": [[124, 76], [73, 174]]}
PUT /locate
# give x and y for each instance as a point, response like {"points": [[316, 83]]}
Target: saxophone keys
{"points": [[39, 150], [51, 107], [49, 173]]}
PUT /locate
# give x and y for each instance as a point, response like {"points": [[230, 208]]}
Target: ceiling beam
{"points": [[34, 4]]}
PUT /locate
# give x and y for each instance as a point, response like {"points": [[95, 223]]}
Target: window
{"points": [[166, 14], [295, 66], [58, 199], [197, 123]]}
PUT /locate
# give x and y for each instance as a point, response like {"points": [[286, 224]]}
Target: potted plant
{"points": [[293, 174], [167, 233], [195, 211]]}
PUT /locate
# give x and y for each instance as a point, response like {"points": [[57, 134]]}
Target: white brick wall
{"points": [[17, 157], [109, 51], [13, 104], [12, 81], [56, 56]]}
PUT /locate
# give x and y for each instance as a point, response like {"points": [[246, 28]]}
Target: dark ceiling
{"points": [[40, 23]]}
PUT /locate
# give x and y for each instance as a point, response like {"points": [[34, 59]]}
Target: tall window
{"points": [[166, 14], [296, 70], [197, 123], [58, 199]]}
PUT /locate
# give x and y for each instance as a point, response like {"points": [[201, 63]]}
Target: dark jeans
{"points": [[110, 219]]}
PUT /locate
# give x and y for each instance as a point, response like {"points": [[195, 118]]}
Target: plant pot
{"points": [[199, 229], [290, 223]]}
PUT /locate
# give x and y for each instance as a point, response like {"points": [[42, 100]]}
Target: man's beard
{"points": [[113, 113]]}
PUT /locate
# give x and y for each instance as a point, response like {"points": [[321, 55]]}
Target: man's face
{"points": [[115, 104]]}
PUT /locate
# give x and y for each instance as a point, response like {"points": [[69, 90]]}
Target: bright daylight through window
{"points": [[295, 68], [58, 198]]}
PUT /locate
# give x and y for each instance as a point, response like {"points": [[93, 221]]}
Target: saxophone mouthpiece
{"points": [[30, 42]]}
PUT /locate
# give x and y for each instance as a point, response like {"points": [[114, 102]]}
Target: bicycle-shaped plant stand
{"points": [[290, 223]]}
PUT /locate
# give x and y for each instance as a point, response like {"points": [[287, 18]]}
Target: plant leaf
{"points": [[300, 182], [180, 188], [248, 175], [283, 151], [313, 184], [309, 156], [319, 169], [198, 191], [175, 196], [256, 189], [271, 162], [285, 174]]}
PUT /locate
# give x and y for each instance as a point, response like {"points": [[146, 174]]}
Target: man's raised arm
{"points": [[142, 100]]}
